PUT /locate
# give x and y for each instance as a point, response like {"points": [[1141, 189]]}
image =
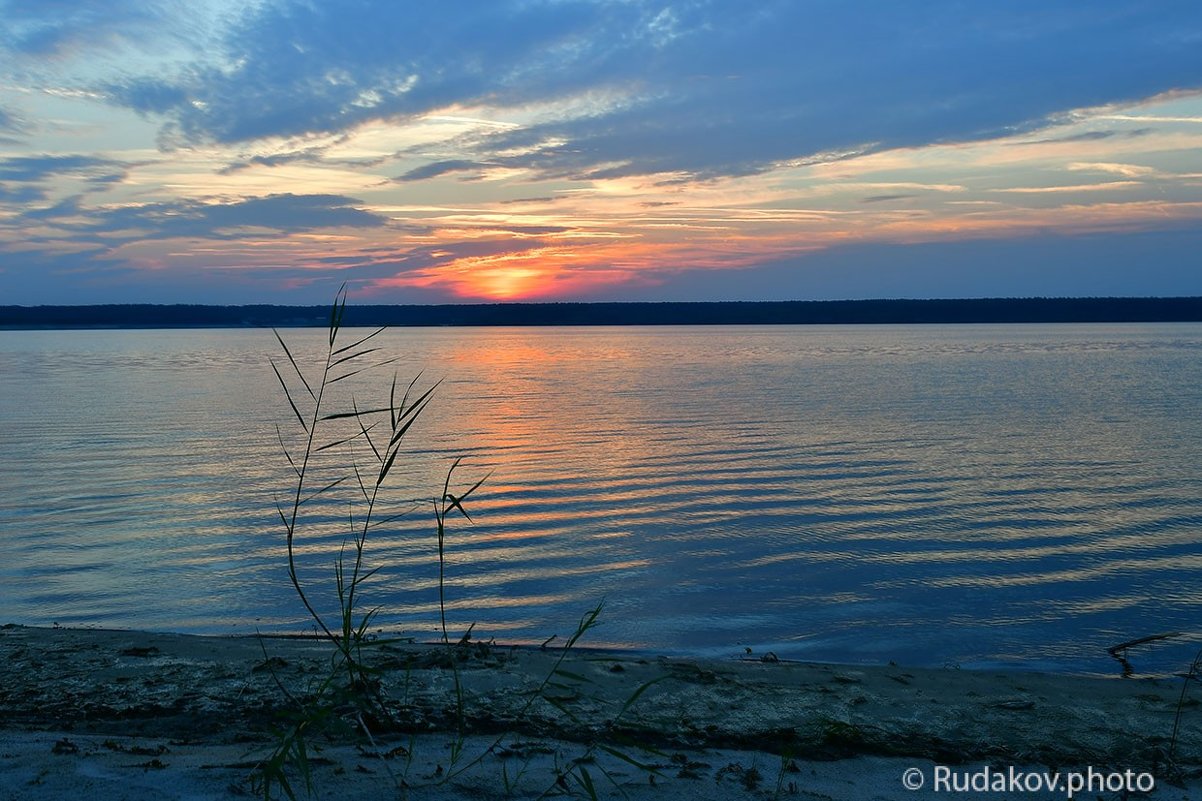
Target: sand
{"points": [[120, 714]]}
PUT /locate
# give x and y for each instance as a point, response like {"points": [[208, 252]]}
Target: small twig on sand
{"points": [[1119, 651]]}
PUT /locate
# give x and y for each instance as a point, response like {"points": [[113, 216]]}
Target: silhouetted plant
{"points": [[381, 431], [350, 696]]}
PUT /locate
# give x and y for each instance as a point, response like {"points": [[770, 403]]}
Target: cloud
{"points": [[705, 88], [34, 169], [148, 95], [25, 179], [885, 198], [307, 156], [438, 168], [21, 194], [320, 67], [286, 213], [1048, 265], [535, 200], [10, 122], [1151, 118], [114, 251], [1087, 136], [44, 28], [1125, 170], [1040, 190], [66, 208]]}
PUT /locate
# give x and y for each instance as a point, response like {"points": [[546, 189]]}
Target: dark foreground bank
{"points": [[110, 714]]}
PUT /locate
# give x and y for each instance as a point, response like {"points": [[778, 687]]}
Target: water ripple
{"points": [[977, 495]]}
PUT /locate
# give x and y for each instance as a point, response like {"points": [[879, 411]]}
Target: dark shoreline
{"points": [[110, 715], [835, 312], [108, 681]]}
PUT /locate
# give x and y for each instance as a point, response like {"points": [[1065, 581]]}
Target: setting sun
{"points": [[508, 283]]}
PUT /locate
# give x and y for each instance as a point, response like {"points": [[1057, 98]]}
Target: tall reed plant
{"points": [[378, 431], [350, 695]]}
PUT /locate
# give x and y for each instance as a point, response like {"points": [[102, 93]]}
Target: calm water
{"points": [[977, 495]]}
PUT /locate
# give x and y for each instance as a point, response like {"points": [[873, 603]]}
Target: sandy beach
{"points": [[105, 715]]}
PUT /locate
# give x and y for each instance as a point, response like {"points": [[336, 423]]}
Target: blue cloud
{"points": [[707, 87], [149, 95], [9, 122], [51, 27], [21, 194], [68, 207], [284, 213], [24, 179], [33, 169], [1046, 265], [886, 198], [437, 168]]}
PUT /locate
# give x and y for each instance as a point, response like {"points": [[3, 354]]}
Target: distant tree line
{"points": [[985, 310]]}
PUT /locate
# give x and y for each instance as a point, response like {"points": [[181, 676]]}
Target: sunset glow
{"points": [[590, 156]]}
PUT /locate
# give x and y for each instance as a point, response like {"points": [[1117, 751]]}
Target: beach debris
{"points": [[691, 672], [523, 750], [1195, 669], [748, 777], [1119, 651], [688, 768], [64, 746], [136, 750], [271, 663], [393, 753]]}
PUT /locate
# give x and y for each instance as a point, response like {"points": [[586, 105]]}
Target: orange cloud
{"points": [[536, 273]]}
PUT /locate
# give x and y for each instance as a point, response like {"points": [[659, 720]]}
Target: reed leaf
{"points": [[586, 781], [354, 373], [316, 493], [411, 413], [345, 440], [359, 342], [392, 518], [348, 415], [573, 676], [336, 313], [280, 436], [555, 702], [588, 621], [622, 755], [288, 395], [362, 487], [456, 502], [399, 433], [351, 356], [366, 432], [295, 366], [635, 695]]}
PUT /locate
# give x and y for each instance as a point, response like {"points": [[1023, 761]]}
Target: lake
{"points": [[980, 496]]}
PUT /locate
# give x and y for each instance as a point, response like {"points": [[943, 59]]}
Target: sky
{"points": [[269, 151]]}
